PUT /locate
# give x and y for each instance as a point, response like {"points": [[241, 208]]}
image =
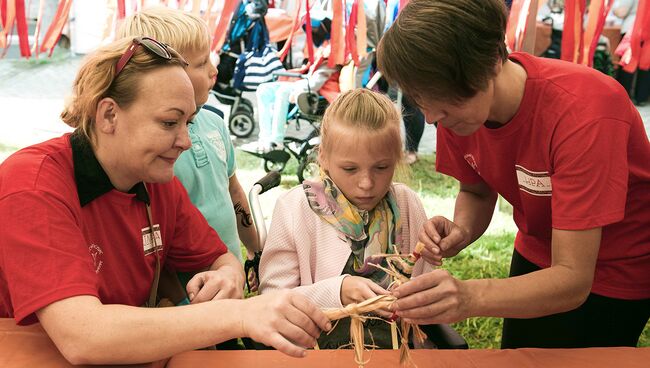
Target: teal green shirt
{"points": [[205, 170]]}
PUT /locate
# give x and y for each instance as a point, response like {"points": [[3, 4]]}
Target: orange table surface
{"points": [[519, 358], [30, 347]]}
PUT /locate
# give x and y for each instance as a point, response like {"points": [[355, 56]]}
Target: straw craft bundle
{"points": [[358, 312]]}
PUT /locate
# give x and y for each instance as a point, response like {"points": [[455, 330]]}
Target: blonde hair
{"points": [[365, 111], [185, 32], [96, 80]]}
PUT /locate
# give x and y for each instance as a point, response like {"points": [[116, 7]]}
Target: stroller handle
{"points": [[289, 74], [270, 181]]}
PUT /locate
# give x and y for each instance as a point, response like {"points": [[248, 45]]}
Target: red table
{"points": [[30, 347], [569, 358]]}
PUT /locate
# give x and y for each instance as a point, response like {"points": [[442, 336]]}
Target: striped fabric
{"points": [[258, 68]]}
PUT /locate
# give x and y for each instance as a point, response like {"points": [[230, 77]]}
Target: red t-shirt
{"points": [[575, 156], [52, 248]]}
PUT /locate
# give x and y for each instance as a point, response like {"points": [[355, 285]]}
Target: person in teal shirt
{"points": [[207, 169]]}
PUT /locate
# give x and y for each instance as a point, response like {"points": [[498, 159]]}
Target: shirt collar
{"points": [[92, 181]]}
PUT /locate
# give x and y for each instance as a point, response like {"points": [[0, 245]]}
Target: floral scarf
{"points": [[379, 228]]}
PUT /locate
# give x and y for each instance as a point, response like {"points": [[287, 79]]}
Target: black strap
{"points": [[151, 303]]}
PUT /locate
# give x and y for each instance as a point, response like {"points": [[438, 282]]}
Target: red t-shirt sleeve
{"points": [[44, 257], [590, 175], [195, 244], [450, 160]]}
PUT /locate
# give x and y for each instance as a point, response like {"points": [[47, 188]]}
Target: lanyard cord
{"points": [[156, 278]]}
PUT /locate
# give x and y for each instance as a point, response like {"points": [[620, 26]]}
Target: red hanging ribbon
{"points": [[224, 20], [640, 39], [511, 27], [337, 38], [310, 36], [121, 9], [350, 41], [572, 37], [294, 27], [598, 11], [8, 18], [23, 36], [56, 27], [37, 30]]}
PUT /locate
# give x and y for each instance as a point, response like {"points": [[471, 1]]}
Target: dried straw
{"points": [[357, 312]]}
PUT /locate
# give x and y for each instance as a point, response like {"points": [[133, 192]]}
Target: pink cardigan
{"points": [[306, 253]]}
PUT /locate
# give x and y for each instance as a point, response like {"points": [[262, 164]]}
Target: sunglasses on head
{"points": [[155, 47]]}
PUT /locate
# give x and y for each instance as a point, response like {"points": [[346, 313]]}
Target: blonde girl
{"points": [[326, 233]]}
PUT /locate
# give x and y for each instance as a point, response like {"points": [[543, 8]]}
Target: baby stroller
{"points": [[241, 120], [442, 335]]}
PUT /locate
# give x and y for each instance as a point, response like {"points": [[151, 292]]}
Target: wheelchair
{"points": [[308, 110]]}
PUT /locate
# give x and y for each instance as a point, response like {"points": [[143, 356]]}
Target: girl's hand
{"points": [[356, 289]]}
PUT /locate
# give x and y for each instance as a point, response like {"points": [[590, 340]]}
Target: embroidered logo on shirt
{"points": [[146, 239], [215, 139], [96, 252], [537, 183], [472, 162]]}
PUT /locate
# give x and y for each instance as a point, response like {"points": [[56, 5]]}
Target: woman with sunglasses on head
{"points": [[76, 249]]}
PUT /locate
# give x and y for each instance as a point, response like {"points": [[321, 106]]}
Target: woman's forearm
{"points": [[87, 332], [473, 212]]}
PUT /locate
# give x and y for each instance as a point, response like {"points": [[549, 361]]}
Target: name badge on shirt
{"points": [[146, 239], [537, 183]]}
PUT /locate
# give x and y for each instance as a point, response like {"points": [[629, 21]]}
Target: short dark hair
{"points": [[444, 49]]}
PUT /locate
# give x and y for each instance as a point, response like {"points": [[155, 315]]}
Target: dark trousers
{"points": [[639, 91], [413, 125], [600, 321]]}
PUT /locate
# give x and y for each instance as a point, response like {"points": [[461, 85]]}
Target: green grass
{"points": [[423, 178], [489, 257], [5, 148], [246, 161]]}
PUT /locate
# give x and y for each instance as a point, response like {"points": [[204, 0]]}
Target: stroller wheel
{"points": [[246, 105], [308, 167], [241, 123], [274, 165]]}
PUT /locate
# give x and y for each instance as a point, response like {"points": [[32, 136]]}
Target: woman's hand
{"points": [[356, 289], [442, 239], [285, 320], [434, 297], [226, 282]]}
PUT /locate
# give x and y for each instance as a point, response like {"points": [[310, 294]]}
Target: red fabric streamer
{"points": [[224, 20], [8, 17], [640, 40], [513, 20], [121, 9], [337, 39], [598, 11], [294, 27], [56, 27], [23, 36], [310, 36], [350, 41], [572, 34]]}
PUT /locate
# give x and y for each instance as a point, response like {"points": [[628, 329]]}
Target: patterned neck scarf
{"points": [[379, 227]]}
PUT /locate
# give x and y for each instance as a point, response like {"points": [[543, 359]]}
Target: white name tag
{"points": [[147, 244], [537, 183]]}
